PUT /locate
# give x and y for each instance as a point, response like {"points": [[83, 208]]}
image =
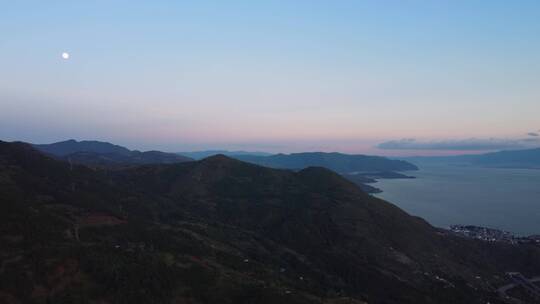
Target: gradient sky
{"points": [[280, 76]]}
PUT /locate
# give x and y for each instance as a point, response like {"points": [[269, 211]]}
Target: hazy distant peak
{"points": [[338, 162], [66, 147], [527, 158], [207, 153], [218, 158], [104, 154]]}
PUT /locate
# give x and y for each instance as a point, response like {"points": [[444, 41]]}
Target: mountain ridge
{"points": [[100, 154], [206, 153], [520, 159], [227, 228], [339, 162]]}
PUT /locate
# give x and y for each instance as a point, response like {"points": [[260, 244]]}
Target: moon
{"points": [[65, 55]]}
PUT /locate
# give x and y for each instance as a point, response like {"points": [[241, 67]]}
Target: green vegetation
{"points": [[224, 231]]}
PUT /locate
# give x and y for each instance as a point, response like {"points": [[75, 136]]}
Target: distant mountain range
{"points": [[221, 230], [365, 168], [363, 180], [104, 154], [529, 158], [338, 162], [64, 148], [96, 153], [207, 153]]}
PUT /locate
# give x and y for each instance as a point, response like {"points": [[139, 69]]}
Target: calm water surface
{"points": [[444, 195]]}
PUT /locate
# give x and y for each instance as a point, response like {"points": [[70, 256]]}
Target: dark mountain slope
{"points": [[103, 154], [355, 240], [341, 163], [223, 231]]}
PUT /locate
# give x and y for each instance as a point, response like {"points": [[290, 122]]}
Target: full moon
{"points": [[65, 55]]}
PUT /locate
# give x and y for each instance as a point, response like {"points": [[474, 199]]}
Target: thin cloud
{"points": [[472, 144], [533, 134]]}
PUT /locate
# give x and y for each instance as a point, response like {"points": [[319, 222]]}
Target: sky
{"points": [[377, 77]]}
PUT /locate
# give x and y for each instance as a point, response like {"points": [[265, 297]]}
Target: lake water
{"points": [[444, 195]]}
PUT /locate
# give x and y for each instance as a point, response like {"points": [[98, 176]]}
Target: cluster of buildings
{"points": [[493, 235]]}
